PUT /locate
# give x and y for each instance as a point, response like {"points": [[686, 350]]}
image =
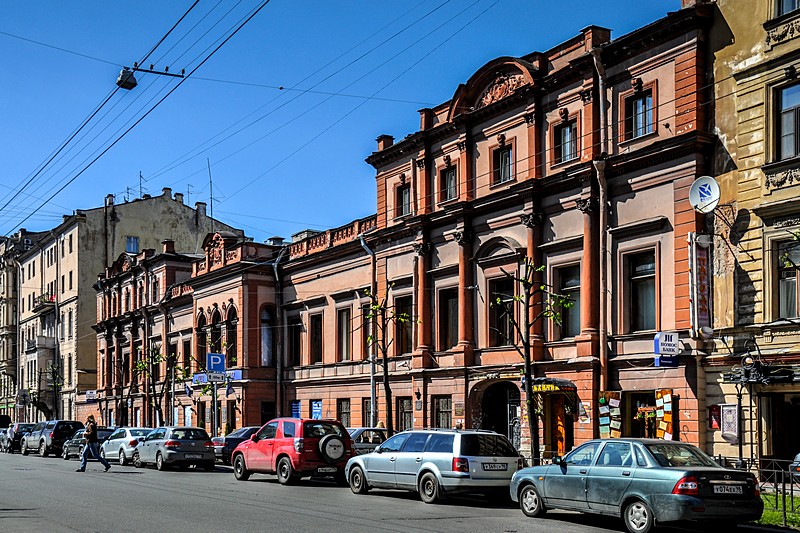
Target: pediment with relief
{"points": [[492, 83], [503, 85]]}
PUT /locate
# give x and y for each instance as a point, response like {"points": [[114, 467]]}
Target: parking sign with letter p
{"points": [[215, 362]]}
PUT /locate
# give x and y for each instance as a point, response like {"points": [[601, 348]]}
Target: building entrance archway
{"points": [[500, 409]]}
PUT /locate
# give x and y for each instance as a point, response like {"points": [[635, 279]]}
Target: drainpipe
{"points": [[372, 288], [279, 354], [600, 169]]}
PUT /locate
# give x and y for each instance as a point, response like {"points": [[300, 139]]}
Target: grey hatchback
{"points": [[175, 445], [437, 462], [121, 444], [644, 481]]}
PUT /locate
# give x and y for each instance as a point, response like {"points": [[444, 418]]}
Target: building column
{"points": [[466, 335], [587, 342], [422, 354], [424, 199], [533, 223]]}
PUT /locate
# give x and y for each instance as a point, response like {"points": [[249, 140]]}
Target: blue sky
{"points": [[284, 113]]}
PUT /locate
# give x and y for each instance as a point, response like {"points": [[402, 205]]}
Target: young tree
{"points": [[383, 317], [538, 303], [149, 366]]}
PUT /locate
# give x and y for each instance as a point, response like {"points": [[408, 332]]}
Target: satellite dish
{"points": [[704, 194]]}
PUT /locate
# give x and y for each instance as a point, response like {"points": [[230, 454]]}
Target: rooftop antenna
{"points": [[188, 193], [140, 184], [211, 193]]}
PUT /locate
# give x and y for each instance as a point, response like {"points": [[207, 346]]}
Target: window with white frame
{"points": [[566, 141], [503, 163], [447, 183], [787, 6], [788, 264], [639, 114], [641, 276], [788, 119], [343, 334]]}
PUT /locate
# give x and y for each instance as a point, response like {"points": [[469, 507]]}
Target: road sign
{"points": [[215, 362], [216, 377]]}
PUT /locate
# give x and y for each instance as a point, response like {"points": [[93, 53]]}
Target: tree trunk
{"points": [[387, 388]]}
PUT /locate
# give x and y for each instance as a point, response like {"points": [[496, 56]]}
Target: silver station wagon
{"points": [[646, 482], [436, 463]]}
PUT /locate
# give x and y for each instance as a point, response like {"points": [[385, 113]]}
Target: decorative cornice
{"points": [[782, 29], [463, 238], [421, 163], [586, 96], [585, 205], [531, 220], [503, 85], [777, 176], [422, 248]]}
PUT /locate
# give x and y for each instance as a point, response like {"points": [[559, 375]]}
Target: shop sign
{"points": [[91, 396], [699, 283], [666, 346]]}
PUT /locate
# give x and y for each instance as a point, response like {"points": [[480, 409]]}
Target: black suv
{"points": [[49, 437]]}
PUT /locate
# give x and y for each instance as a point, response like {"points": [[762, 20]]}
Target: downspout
{"points": [[279, 355], [600, 169], [372, 288]]}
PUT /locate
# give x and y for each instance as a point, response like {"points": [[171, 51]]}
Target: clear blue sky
{"points": [[282, 160]]}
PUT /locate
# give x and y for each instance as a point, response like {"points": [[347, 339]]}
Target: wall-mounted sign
{"points": [[699, 283]]}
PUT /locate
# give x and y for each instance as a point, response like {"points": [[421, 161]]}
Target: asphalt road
{"points": [[46, 494]]}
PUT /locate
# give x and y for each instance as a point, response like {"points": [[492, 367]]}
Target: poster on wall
{"points": [[610, 414], [664, 405]]}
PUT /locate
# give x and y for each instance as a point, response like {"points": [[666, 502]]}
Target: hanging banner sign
{"points": [[699, 282]]}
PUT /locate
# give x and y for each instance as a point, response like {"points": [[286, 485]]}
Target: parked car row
{"points": [[645, 482]]}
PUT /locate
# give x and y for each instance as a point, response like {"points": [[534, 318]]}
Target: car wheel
{"points": [[137, 460], [358, 482], [65, 454], [428, 488], [122, 459], [160, 464], [103, 453], [530, 502], [638, 517], [240, 471], [285, 471], [43, 449], [24, 449]]}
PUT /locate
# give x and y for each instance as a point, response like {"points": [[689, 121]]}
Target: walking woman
{"points": [[91, 446]]}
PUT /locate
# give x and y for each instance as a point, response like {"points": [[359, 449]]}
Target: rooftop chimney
{"points": [[179, 197], [384, 141], [169, 246], [167, 192], [275, 241], [425, 118]]}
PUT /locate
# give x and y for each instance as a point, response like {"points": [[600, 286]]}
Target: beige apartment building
{"points": [[756, 86], [57, 348]]}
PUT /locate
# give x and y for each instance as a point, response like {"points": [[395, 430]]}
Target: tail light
{"points": [[687, 486], [460, 464], [172, 444], [520, 463], [298, 445], [133, 443], [208, 444], [756, 488], [51, 434]]}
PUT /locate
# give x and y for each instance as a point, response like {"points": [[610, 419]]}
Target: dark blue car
{"points": [[224, 446]]}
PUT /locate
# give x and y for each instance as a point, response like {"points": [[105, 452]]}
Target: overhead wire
{"points": [[182, 80]]}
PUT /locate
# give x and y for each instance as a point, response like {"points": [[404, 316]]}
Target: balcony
{"points": [[44, 302], [40, 343], [8, 367]]}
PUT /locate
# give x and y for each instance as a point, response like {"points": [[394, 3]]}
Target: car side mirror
{"points": [[378, 449], [558, 460], [254, 437]]}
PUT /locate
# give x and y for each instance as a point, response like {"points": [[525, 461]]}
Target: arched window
{"points": [[268, 337], [140, 292], [155, 292], [127, 300], [215, 346], [200, 335], [230, 337]]}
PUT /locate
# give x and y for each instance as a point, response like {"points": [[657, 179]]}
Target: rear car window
{"points": [[487, 446], [314, 429], [440, 444], [288, 429], [679, 455], [69, 427], [190, 434], [140, 432], [416, 442], [104, 433]]}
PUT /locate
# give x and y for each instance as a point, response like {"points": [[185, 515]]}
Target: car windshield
{"points": [[140, 432], [77, 435], [487, 446], [317, 429], [679, 455], [25, 427], [189, 434]]}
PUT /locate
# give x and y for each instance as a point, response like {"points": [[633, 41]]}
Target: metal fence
{"points": [[780, 487]]}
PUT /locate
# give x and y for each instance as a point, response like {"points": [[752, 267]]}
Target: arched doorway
{"points": [[500, 409]]}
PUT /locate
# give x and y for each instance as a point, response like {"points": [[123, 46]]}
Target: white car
{"points": [[120, 445]]}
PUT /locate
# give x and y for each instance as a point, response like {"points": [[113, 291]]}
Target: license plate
{"points": [[193, 456], [327, 470], [728, 489], [495, 466]]}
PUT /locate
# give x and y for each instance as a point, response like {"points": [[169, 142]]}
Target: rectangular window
{"points": [[448, 318], [503, 164], [642, 290], [404, 200], [788, 265], [63, 285], [366, 412], [405, 413], [132, 244], [501, 312], [442, 412], [70, 244], [70, 280], [788, 137], [569, 286], [403, 309], [787, 6], [639, 114], [343, 333], [566, 139], [187, 356], [343, 411], [315, 327], [447, 184], [295, 327]]}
